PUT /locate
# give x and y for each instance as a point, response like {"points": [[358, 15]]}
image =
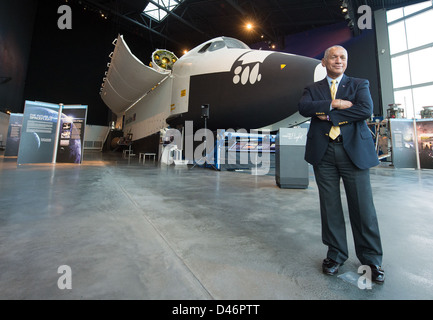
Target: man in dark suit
{"points": [[346, 152]]}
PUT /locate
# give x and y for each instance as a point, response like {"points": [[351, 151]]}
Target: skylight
{"points": [[158, 9]]}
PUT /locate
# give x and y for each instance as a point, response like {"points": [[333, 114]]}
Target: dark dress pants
{"points": [[362, 214]]}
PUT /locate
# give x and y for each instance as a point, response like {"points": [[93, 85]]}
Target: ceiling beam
{"points": [[130, 20], [176, 17]]}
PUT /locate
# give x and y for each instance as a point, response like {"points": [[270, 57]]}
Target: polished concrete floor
{"points": [[154, 232]]}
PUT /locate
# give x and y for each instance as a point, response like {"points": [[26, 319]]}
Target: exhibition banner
{"points": [[14, 134], [52, 133], [407, 139], [403, 143], [71, 140], [424, 128], [39, 132]]}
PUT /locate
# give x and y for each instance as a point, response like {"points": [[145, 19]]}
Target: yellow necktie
{"points": [[335, 130]]}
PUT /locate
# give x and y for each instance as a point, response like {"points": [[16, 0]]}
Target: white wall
{"points": [[95, 136]]}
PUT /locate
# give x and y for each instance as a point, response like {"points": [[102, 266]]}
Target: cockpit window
{"points": [[228, 42], [216, 45], [204, 48], [234, 43]]}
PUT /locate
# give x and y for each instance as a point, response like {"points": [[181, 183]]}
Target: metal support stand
{"points": [[205, 115]]}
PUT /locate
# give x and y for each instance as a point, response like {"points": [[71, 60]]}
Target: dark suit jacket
{"points": [[357, 138]]}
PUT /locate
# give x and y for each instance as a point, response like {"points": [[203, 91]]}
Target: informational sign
{"points": [[14, 135], [39, 132], [51, 133], [242, 150], [71, 140], [424, 129], [405, 136], [403, 145]]}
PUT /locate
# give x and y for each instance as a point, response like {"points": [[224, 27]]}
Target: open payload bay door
{"points": [[127, 79]]}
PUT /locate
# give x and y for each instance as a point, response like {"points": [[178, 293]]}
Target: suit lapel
{"points": [[324, 89], [342, 87]]}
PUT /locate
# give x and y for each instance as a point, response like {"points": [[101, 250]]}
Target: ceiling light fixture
{"points": [[344, 7]]}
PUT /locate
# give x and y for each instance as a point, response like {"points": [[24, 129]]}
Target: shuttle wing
{"points": [[127, 79]]}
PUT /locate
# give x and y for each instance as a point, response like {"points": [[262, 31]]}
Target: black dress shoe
{"points": [[377, 274], [330, 267]]}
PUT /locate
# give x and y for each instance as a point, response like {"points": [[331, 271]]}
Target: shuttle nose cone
{"points": [[260, 89], [272, 84]]}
